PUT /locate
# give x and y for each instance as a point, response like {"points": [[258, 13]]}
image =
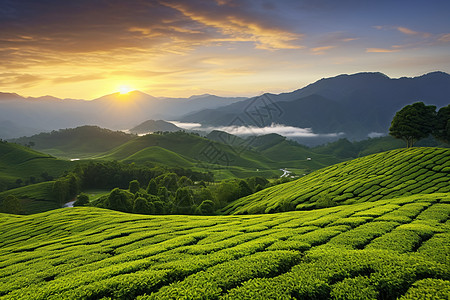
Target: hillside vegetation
{"points": [[386, 249], [380, 176], [20, 164], [83, 140], [197, 152]]}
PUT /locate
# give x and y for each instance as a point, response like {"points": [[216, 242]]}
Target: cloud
{"points": [[17, 79], [445, 38], [238, 25], [78, 78], [408, 31], [405, 31], [287, 131], [186, 125], [381, 50], [321, 50]]}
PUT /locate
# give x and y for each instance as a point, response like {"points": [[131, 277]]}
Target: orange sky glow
{"points": [[86, 49]]}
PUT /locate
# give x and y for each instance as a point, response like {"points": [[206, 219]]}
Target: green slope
{"points": [[77, 142], [19, 162], [379, 176], [294, 155], [159, 155], [387, 249], [193, 147]]}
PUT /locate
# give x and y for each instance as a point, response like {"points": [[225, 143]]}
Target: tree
{"points": [[205, 208], [60, 191], [413, 122], [10, 205], [19, 181], [184, 197], [152, 187], [244, 189], [82, 200], [442, 128], [120, 200], [184, 181], [134, 186], [142, 206]]}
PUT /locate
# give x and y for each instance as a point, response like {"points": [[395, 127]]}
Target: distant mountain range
{"points": [[357, 106], [20, 116]]}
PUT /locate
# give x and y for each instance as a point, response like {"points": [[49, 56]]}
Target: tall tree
{"points": [[152, 187], [413, 122], [442, 129], [134, 186]]}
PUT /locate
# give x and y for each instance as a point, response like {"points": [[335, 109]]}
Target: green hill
{"points": [[160, 155], [345, 149], [386, 249], [20, 164], [154, 126], [379, 176], [79, 142], [207, 154], [30, 199]]}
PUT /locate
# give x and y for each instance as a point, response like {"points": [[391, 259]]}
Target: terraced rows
{"points": [[374, 250], [385, 175]]}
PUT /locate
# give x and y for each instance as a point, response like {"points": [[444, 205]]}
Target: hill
{"points": [[160, 156], [380, 176], [336, 104], [206, 153], [386, 249], [80, 141], [346, 149], [154, 126], [20, 164]]}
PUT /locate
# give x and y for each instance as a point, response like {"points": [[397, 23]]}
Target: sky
{"points": [[85, 49]]}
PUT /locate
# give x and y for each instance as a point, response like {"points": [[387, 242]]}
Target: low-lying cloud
{"points": [[287, 131]]}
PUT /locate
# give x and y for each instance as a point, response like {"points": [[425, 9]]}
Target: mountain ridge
{"points": [[358, 104]]}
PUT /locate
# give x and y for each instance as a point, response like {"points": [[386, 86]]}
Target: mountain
{"points": [[357, 104], [9, 129], [28, 116], [391, 174], [83, 140], [154, 126]]}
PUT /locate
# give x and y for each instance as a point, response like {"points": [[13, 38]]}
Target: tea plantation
{"points": [[383, 249], [385, 175]]}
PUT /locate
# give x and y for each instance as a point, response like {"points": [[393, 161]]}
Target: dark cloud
{"points": [[103, 25]]}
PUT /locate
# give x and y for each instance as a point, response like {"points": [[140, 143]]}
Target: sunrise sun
{"points": [[124, 89]]}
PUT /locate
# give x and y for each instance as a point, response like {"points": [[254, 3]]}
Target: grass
{"points": [[19, 162], [342, 252], [77, 142], [385, 175], [192, 147], [158, 155], [34, 198]]}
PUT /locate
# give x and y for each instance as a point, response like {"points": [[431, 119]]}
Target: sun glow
{"points": [[124, 89]]}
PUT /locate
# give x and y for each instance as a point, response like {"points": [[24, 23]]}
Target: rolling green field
{"points": [[386, 249], [19, 162], [80, 142], [158, 155], [385, 175]]}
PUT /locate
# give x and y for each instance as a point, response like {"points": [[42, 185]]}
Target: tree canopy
{"points": [[413, 122], [442, 129]]}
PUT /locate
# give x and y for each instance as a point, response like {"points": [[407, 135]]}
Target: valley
{"points": [[161, 212]]}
